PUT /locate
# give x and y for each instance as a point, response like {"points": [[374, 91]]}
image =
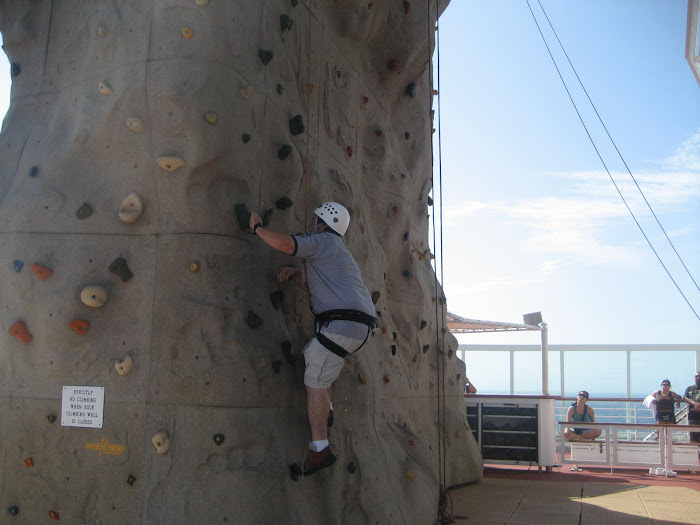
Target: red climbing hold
{"points": [[21, 332], [28, 462], [369, 6], [79, 325], [379, 133], [365, 99], [362, 229], [413, 442], [349, 150], [403, 175], [394, 65], [406, 7], [395, 209], [42, 272], [383, 329], [386, 379], [54, 515]]}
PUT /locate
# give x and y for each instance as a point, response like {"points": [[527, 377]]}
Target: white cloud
{"points": [[687, 156]]}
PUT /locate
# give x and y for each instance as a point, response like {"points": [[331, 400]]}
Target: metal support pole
{"points": [[545, 360], [512, 372]]}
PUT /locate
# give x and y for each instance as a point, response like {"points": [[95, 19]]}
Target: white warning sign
{"points": [[83, 406]]}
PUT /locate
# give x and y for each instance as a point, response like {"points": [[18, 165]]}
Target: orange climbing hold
{"points": [[42, 272], [28, 462], [79, 325], [54, 515], [21, 332]]}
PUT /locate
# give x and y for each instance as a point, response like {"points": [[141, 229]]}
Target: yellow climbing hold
{"points": [[194, 267], [362, 378], [101, 31], [135, 124], [170, 163], [211, 117], [131, 209], [94, 296], [187, 32], [410, 475], [104, 89], [124, 366], [201, 2], [245, 93]]}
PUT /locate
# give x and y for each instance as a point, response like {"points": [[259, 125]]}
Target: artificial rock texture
{"points": [[187, 103]]}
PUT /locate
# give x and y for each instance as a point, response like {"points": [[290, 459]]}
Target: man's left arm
{"points": [[276, 240]]}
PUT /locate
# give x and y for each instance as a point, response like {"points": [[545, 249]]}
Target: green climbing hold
{"points": [[294, 3], [245, 138], [51, 418], [276, 366], [84, 211], [265, 56], [426, 348], [120, 268], [286, 23], [283, 203], [254, 320], [352, 467], [287, 352], [375, 296], [280, 89], [393, 349], [423, 324], [284, 152], [14, 510], [276, 298], [243, 216], [296, 125], [14, 69]]}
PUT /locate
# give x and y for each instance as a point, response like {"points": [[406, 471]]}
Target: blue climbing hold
{"points": [[18, 266], [14, 69], [33, 171], [14, 510]]}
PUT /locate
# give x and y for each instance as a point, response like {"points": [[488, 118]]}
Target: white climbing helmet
{"points": [[335, 215]]}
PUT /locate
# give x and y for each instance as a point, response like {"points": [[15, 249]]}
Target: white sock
{"points": [[320, 445]]}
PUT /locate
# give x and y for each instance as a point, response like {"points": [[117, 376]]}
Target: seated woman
{"points": [[581, 412], [664, 400]]}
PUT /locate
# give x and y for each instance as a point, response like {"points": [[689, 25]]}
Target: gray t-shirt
{"points": [[334, 280]]}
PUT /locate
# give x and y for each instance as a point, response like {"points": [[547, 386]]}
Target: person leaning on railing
{"points": [[664, 400], [692, 397]]}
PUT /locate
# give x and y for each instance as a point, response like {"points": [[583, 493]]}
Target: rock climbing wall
{"points": [[134, 130]]}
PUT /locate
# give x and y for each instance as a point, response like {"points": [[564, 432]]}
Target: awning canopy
{"points": [[460, 325]]}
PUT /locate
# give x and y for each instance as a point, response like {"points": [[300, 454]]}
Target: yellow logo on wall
{"points": [[104, 447]]}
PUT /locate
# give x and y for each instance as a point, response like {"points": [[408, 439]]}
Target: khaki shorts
{"points": [[322, 365]]}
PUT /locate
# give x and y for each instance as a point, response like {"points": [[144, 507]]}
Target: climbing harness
{"points": [[322, 319]]}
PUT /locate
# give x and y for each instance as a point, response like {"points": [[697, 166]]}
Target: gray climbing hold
{"points": [[18, 265], [14, 69], [442, 300], [287, 352], [430, 200], [84, 211], [218, 439], [296, 125], [51, 418], [280, 89], [286, 23], [243, 216], [423, 324], [276, 298], [131, 480], [284, 152], [254, 320], [33, 171], [375, 296], [265, 56], [245, 138], [411, 90], [283, 203], [276, 366], [121, 269]]}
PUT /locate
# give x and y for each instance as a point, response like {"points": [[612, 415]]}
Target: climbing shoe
{"points": [[330, 419], [313, 462]]}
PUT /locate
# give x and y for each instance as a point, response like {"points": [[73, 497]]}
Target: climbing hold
{"points": [[246, 92], [362, 228], [14, 69], [403, 175], [54, 515], [245, 138], [405, 236], [349, 150], [187, 33], [94, 296], [14, 510], [286, 23], [394, 335], [406, 273], [280, 89], [407, 135], [218, 439], [33, 171], [379, 133], [412, 442], [352, 467], [211, 117], [284, 152], [395, 209], [18, 266], [406, 7], [104, 89], [296, 125], [170, 163], [369, 6], [361, 378], [254, 320], [423, 324], [131, 208], [430, 200], [449, 353], [394, 65], [294, 3], [243, 216], [410, 475], [375, 296], [51, 418], [131, 479], [21, 332], [458, 434], [365, 100], [383, 329], [84, 211], [265, 56], [386, 379], [124, 366], [29, 462], [121, 269], [283, 203], [101, 31], [442, 300], [161, 442], [426, 348], [194, 267], [287, 352], [79, 325], [411, 90], [276, 298], [276, 366], [393, 349], [42, 272], [201, 2], [135, 124]]}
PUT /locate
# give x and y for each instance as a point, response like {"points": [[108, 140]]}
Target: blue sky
{"points": [[531, 219]]}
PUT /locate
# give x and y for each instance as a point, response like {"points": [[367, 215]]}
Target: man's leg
{"points": [[317, 402]]}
